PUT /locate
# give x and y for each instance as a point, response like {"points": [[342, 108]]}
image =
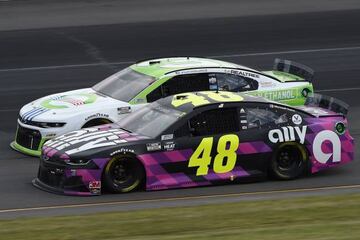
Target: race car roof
{"points": [[187, 102], [161, 66]]}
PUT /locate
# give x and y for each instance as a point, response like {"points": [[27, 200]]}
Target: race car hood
{"points": [[60, 106], [89, 140]]}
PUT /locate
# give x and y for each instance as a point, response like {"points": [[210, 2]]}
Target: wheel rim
{"points": [[289, 158], [121, 172]]}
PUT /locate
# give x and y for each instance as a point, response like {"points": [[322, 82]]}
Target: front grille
{"points": [[55, 177], [51, 176], [28, 138]]}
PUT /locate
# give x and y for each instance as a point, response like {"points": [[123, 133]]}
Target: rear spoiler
{"points": [[327, 102], [294, 68]]}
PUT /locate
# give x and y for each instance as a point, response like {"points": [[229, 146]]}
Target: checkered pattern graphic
{"points": [[90, 174], [253, 147], [317, 125], [87, 176], [159, 178]]}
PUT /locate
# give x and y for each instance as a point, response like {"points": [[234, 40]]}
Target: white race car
{"points": [[146, 81]]}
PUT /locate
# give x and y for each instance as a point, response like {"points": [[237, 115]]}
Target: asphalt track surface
{"points": [[39, 62]]}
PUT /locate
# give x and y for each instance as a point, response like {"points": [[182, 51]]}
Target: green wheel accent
{"points": [[91, 97], [123, 174]]}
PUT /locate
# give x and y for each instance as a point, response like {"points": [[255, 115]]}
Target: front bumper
{"points": [[30, 139], [63, 179], [17, 147], [45, 187]]}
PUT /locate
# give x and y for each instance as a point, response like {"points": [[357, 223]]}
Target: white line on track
{"points": [[339, 89], [288, 52], [355, 186], [215, 56]]}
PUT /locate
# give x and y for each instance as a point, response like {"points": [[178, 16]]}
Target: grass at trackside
{"points": [[332, 217]]}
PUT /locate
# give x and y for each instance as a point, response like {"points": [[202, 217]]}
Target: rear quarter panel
{"points": [[326, 147]]}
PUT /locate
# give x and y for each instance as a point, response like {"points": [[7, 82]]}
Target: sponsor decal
{"points": [[50, 135], [213, 87], [91, 137], [244, 73], [213, 82], [97, 115], [66, 101], [167, 137], [296, 119], [124, 110], [169, 146], [277, 95], [320, 139], [286, 134], [122, 150], [267, 84], [153, 146], [212, 79], [95, 187]]}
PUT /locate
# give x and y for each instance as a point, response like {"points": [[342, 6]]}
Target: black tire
{"points": [[289, 161], [123, 174]]}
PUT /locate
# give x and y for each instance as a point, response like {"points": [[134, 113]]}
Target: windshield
{"points": [[124, 85], [151, 120]]}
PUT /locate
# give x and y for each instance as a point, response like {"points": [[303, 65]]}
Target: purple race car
{"points": [[198, 139]]}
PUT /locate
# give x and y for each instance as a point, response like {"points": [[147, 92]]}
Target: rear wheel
{"points": [[289, 161], [123, 174]]}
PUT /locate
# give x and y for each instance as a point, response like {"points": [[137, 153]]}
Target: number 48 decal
{"points": [[201, 158]]}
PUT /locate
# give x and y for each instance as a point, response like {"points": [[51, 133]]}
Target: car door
{"points": [[209, 139]]}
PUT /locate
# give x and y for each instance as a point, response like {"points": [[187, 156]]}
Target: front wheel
{"points": [[123, 174], [288, 161]]}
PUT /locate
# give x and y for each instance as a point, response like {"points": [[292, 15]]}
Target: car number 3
{"points": [[225, 159]]}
